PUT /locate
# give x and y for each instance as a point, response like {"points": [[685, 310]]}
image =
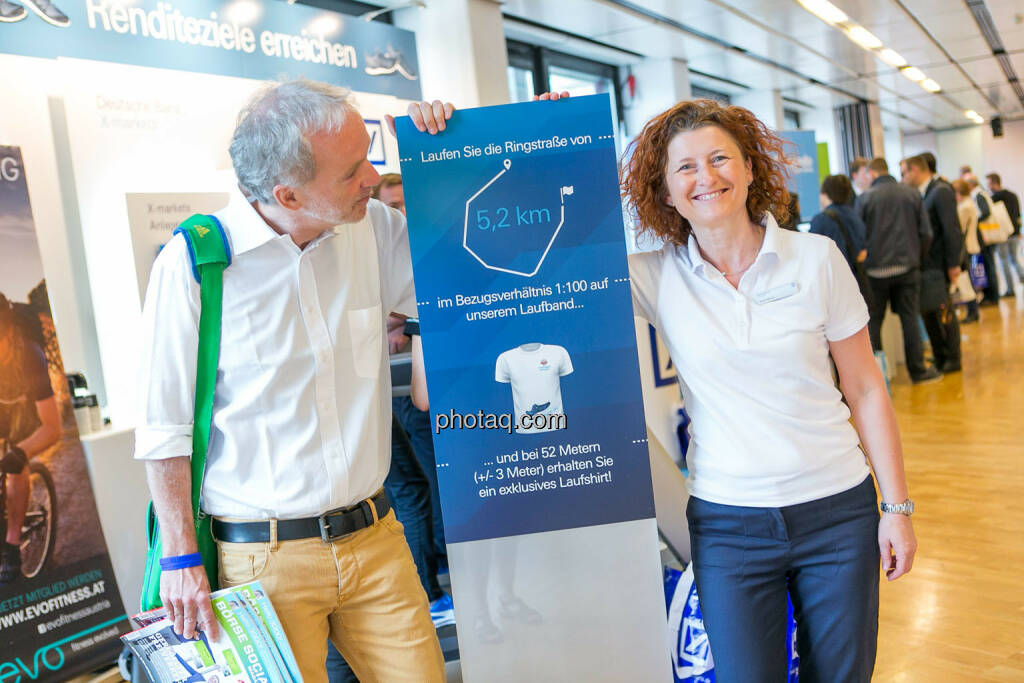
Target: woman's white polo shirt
{"points": [[769, 428]]}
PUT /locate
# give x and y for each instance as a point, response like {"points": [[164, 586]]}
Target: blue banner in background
{"points": [[259, 39], [527, 321], [804, 171]]}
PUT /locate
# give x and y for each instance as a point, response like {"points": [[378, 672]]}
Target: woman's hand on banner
{"points": [[418, 384], [185, 594], [551, 96], [428, 117]]}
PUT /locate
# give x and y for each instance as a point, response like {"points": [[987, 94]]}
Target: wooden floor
{"points": [[959, 615]]}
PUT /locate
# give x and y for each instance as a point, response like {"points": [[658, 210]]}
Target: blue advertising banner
{"points": [[259, 39], [804, 171], [517, 245]]}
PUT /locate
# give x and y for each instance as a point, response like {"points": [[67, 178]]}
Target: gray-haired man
{"points": [[300, 443]]}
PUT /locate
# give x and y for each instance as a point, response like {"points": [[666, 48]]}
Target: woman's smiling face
{"points": [[707, 176]]}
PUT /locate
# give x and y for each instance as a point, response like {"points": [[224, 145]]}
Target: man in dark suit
{"points": [[898, 234], [941, 263], [860, 177]]}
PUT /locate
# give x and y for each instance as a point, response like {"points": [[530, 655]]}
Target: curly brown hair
{"points": [[643, 183]]}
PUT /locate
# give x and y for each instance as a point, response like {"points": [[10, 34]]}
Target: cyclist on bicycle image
{"points": [[29, 424]]}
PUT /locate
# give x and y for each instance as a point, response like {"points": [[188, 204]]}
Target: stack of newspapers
{"points": [[251, 647]]}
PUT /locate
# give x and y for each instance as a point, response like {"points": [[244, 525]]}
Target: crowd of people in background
{"points": [[932, 250]]}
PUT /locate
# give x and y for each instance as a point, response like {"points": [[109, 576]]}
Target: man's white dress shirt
{"points": [[302, 413], [769, 428]]}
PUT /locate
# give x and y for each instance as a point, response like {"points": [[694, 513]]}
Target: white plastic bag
{"points": [[962, 291]]}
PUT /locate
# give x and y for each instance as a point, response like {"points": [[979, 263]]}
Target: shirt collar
{"points": [[774, 243], [923, 187], [247, 230], [244, 226]]}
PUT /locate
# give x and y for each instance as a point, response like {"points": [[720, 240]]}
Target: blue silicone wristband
{"points": [[181, 562]]}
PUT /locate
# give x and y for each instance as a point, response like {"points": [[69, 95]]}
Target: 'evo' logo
{"points": [[9, 169], [17, 671]]}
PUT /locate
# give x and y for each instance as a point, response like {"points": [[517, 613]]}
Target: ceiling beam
{"points": [[987, 26]]}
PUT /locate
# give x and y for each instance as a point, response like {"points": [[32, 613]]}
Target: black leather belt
{"points": [[330, 526]]}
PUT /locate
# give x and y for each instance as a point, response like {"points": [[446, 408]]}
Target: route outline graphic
{"points": [[563, 191]]}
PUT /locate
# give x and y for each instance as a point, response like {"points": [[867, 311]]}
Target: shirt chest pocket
{"points": [[790, 317], [366, 332]]}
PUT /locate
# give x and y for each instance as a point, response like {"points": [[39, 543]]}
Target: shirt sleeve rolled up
{"points": [[167, 368]]}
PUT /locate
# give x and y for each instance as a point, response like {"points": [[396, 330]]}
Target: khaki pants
{"points": [[362, 591]]}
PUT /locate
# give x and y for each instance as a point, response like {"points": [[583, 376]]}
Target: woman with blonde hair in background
{"points": [[967, 212]]}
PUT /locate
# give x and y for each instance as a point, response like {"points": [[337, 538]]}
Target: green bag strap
{"points": [[210, 254]]}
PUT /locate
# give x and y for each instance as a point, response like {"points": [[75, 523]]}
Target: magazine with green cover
{"points": [[250, 648]]}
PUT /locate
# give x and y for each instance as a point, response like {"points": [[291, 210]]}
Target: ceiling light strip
{"points": [[945, 53], [913, 73], [863, 37], [892, 58], [657, 18], [825, 11], [736, 49], [871, 43], [856, 76]]}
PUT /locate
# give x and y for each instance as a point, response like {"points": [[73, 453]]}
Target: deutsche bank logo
{"points": [[376, 154], [664, 370]]}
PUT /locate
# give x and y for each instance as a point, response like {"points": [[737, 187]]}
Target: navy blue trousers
{"points": [[408, 490], [823, 553], [417, 423]]}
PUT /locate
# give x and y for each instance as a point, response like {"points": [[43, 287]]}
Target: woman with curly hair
{"points": [[782, 498]]}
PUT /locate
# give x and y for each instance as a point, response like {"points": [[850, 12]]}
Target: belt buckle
{"points": [[325, 526]]}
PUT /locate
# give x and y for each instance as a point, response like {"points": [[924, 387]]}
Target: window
{"points": [[698, 92], [520, 84], [580, 82], [533, 69], [791, 119], [523, 66]]}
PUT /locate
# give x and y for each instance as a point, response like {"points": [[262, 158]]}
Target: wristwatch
{"points": [[904, 508], [412, 327]]}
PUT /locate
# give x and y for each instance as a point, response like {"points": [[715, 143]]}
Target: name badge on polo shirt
{"points": [[777, 293]]}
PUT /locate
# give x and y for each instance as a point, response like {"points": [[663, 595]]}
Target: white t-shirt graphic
{"points": [[535, 371]]}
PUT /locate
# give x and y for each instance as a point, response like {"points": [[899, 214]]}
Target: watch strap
{"points": [[904, 508]]}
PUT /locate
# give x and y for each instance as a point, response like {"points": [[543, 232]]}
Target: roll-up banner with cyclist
{"points": [[60, 610], [519, 256]]}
